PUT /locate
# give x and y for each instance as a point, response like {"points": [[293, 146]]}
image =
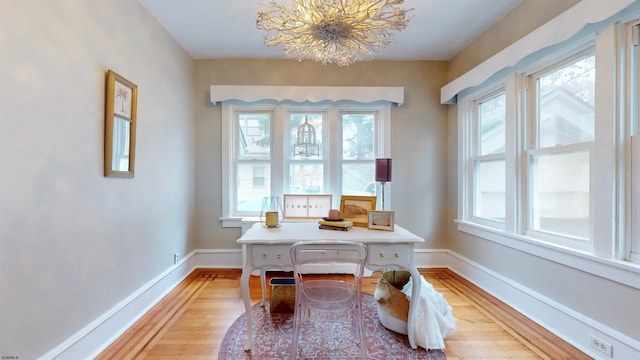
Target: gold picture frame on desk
{"points": [[356, 209], [120, 126]]}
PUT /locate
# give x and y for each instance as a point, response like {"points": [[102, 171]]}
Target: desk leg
{"points": [[246, 297], [415, 294], [263, 284]]}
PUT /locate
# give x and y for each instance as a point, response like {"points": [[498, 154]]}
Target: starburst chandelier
{"points": [[332, 31]]}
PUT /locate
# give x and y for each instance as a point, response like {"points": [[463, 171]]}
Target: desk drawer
{"points": [[270, 256], [388, 255]]}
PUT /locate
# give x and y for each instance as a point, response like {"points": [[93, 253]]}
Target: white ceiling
{"points": [[438, 29]]}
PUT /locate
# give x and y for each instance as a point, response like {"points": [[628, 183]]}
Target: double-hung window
{"points": [[528, 152], [306, 174], [263, 159], [252, 158], [550, 153], [358, 140], [487, 161], [561, 134]]}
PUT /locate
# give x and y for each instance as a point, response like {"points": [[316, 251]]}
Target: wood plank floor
{"points": [[191, 320]]}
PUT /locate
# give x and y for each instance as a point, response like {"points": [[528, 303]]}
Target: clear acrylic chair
{"points": [[326, 300]]}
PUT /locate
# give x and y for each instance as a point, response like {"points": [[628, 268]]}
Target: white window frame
{"points": [[612, 160], [474, 156], [631, 42], [325, 145], [530, 123], [280, 142], [518, 149]]}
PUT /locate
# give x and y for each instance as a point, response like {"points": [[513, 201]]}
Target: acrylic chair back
{"points": [[323, 299]]}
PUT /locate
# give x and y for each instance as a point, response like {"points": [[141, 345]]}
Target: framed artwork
{"points": [[120, 126], [381, 220], [356, 208], [306, 206]]}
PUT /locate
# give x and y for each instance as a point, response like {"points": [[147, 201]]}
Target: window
{"points": [[358, 153], [550, 152], [306, 173], [261, 160], [563, 125], [540, 129], [488, 159], [251, 159]]}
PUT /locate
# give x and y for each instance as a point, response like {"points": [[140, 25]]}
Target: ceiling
{"points": [[437, 30]]}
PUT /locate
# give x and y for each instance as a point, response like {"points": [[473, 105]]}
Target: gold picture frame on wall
{"points": [[356, 209], [120, 126]]}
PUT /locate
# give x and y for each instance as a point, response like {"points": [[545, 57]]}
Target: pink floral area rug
{"points": [[273, 339]]}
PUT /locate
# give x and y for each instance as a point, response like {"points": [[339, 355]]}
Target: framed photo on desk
{"points": [[381, 220], [356, 209]]}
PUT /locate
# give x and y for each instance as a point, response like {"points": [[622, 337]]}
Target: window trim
{"points": [[475, 156], [609, 177], [631, 42], [280, 111]]}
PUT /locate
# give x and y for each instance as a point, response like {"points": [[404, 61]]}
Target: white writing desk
{"points": [[268, 249]]}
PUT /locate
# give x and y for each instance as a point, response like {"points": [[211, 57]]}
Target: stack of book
{"points": [[335, 225]]}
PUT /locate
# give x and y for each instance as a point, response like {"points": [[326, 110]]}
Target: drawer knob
{"points": [[279, 256], [264, 256], [381, 255], [396, 255]]}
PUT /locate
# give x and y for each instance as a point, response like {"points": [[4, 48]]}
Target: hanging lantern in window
{"points": [[306, 140]]}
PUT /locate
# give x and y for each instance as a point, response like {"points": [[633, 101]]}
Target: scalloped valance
{"points": [[362, 94], [561, 28]]}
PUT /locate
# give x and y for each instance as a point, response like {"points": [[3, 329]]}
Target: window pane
{"points": [[358, 179], [565, 100], [560, 194], [306, 178], [296, 120], [357, 136], [491, 115], [249, 194], [489, 198], [254, 135]]}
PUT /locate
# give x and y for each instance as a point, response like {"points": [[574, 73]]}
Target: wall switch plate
{"points": [[176, 258]]}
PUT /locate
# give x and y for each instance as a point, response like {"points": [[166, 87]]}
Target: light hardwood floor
{"points": [[191, 320]]}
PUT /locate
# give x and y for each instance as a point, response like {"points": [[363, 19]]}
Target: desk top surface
{"points": [[292, 232]]}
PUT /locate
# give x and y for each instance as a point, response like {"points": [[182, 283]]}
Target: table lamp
{"points": [[383, 173]]}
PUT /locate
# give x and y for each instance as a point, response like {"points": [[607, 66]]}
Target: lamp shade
{"points": [[383, 170]]}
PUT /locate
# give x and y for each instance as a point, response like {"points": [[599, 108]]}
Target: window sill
{"points": [[623, 272], [247, 221]]}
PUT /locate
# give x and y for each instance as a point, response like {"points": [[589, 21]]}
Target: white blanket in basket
{"points": [[433, 320]]}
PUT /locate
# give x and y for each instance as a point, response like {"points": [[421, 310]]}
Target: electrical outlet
{"points": [[602, 346], [176, 258]]}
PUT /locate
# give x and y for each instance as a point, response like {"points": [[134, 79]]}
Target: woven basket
{"points": [[396, 305]]}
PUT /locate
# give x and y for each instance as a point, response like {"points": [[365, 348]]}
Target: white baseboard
{"points": [[91, 340], [572, 327]]}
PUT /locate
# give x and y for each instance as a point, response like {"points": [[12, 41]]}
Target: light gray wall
{"points": [[603, 300], [526, 17], [419, 136], [74, 243]]}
